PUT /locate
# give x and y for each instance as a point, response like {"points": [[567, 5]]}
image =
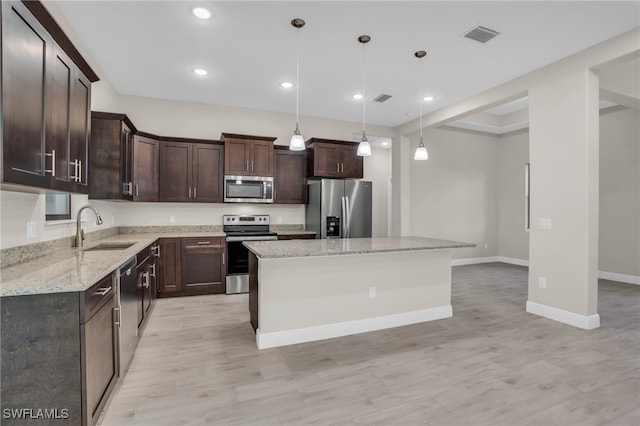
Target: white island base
{"points": [[302, 299]]}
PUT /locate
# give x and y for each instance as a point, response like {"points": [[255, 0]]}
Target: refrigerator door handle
{"points": [[343, 216], [346, 216]]}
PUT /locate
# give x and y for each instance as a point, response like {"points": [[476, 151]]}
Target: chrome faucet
{"points": [[79, 231]]}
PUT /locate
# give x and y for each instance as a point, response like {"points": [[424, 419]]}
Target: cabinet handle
{"points": [[153, 270], [223, 258], [252, 166], [146, 279], [102, 291], [136, 189], [189, 192], [79, 174], [158, 247], [127, 188], [247, 168], [341, 167], [195, 192], [52, 170], [204, 242], [155, 251], [116, 312], [338, 167]]}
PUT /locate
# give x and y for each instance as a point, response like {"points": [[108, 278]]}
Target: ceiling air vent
{"points": [[481, 34], [382, 98]]}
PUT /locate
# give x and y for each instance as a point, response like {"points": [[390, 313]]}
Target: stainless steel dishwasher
{"points": [[128, 319]]}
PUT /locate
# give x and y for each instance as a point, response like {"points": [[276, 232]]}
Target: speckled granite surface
{"points": [[335, 247], [68, 269]]}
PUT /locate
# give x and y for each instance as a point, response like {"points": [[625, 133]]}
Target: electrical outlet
{"points": [[112, 220], [542, 282], [372, 293], [545, 223], [486, 245], [172, 219], [31, 229]]}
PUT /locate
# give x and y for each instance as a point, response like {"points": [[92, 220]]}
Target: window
{"points": [[58, 206]]}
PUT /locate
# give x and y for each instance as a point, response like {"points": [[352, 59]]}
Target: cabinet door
{"points": [[290, 177], [99, 337], [146, 153], [80, 110], [261, 161], [203, 265], [236, 158], [169, 266], [106, 147], [25, 47], [208, 161], [326, 160], [126, 161], [352, 165], [175, 171], [60, 78]]}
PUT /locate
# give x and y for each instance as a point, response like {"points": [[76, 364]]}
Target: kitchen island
{"points": [[307, 290]]}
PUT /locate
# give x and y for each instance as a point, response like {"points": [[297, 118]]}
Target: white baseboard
{"points": [[581, 321], [613, 276], [328, 331], [474, 260]]}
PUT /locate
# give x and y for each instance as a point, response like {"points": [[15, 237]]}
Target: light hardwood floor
{"points": [[491, 364]]}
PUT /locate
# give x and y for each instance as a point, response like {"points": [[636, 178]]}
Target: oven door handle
{"points": [[254, 238]]}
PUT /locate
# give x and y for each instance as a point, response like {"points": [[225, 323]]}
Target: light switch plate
{"points": [[31, 229], [545, 223], [172, 219]]}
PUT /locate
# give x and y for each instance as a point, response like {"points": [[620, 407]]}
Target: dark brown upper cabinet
{"points": [[191, 170], [247, 155], [329, 158], [46, 95], [146, 157], [111, 157], [290, 179]]}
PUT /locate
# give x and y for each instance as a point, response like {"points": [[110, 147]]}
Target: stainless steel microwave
{"points": [[248, 189]]}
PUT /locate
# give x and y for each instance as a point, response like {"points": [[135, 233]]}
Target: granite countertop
{"points": [[333, 247], [70, 270]]}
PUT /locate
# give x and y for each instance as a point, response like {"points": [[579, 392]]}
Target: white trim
{"points": [[321, 332], [581, 321], [474, 260], [513, 261], [614, 276]]}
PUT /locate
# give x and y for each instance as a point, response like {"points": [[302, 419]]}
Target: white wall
{"points": [[377, 169], [513, 153], [620, 192], [454, 194]]}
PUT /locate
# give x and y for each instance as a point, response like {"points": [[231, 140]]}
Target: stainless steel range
{"points": [[241, 228]]}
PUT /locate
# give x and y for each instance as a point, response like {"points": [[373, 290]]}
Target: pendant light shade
{"points": [[421, 152], [364, 149], [297, 141]]}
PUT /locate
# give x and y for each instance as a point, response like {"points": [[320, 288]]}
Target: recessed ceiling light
{"points": [[428, 98], [200, 71], [286, 85], [385, 143], [409, 114], [201, 12], [357, 96]]}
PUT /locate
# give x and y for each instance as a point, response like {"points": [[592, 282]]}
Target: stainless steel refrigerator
{"points": [[339, 208]]}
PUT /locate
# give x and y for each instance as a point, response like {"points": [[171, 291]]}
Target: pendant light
{"points": [[297, 141], [421, 151], [364, 149]]}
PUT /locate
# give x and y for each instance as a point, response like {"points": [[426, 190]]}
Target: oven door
{"points": [[238, 262], [248, 189]]}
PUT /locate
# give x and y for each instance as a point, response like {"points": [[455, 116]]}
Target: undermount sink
{"points": [[110, 246]]}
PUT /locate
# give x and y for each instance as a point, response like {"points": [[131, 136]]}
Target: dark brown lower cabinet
{"points": [[170, 276], [203, 265], [189, 266], [296, 236], [64, 359]]}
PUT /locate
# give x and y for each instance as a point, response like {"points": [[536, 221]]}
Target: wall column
{"points": [[401, 157], [564, 156]]}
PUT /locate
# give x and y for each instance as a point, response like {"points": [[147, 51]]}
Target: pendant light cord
{"points": [[420, 99], [364, 97], [297, 75]]}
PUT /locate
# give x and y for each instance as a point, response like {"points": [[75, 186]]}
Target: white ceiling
{"points": [[149, 48]]}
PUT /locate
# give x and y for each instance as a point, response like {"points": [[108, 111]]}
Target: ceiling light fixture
{"points": [[200, 71], [286, 85], [297, 141], [428, 98], [357, 96], [201, 12], [364, 149], [421, 151]]}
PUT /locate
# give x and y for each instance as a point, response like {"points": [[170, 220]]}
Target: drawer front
{"points": [[203, 243], [95, 297]]}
